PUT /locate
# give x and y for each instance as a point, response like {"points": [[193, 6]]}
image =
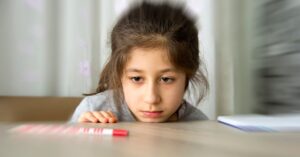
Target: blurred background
{"points": [[251, 50]]}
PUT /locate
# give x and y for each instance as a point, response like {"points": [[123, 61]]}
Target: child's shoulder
{"points": [[189, 112], [99, 98]]}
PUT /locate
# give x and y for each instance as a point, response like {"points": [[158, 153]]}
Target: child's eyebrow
{"points": [[168, 70], [133, 70]]}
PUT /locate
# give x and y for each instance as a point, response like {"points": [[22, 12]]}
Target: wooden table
{"points": [[184, 139]]}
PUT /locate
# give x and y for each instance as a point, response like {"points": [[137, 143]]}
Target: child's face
{"points": [[153, 88]]}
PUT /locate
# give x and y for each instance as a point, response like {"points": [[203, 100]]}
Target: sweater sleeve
{"points": [[99, 102], [84, 106]]}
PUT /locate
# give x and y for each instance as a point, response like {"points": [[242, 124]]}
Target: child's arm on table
{"points": [[97, 117]]}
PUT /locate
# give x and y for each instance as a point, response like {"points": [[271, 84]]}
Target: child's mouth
{"points": [[152, 114]]}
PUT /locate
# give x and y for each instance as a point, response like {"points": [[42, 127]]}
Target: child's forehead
{"points": [[148, 57], [141, 53]]}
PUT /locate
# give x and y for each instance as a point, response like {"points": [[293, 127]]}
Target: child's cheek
{"points": [[130, 93]]}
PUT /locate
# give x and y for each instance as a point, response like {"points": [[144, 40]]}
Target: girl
{"points": [[154, 59]]}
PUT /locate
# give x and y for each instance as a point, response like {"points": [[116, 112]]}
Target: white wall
{"points": [[204, 10]]}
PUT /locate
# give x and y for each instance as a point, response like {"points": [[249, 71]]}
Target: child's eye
{"points": [[167, 79], [136, 79]]}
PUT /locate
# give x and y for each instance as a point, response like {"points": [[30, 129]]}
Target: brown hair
{"points": [[154, 25]]}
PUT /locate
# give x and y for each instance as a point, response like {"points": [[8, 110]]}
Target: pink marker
{"points": [[69, 130]]}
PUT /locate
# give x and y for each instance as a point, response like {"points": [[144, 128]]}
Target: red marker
{"points": [[70, 130]]}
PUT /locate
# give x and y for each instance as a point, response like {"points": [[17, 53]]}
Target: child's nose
{"points": [[152, 95]]}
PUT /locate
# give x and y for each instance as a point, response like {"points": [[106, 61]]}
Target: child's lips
{"points": [[152, 114]]}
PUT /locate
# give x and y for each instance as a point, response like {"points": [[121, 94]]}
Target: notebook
{"points": [[268, 123]]}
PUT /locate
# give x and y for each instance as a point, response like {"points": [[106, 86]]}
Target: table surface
{"points": [[198, 138]]}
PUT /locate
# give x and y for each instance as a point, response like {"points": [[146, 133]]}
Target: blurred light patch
{"points": [[279, 53]]}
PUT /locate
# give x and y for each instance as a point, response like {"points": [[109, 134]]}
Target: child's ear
{"points": [[187, 83]]}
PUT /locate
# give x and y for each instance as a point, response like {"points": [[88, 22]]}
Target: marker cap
{"points": [[119, 132]]}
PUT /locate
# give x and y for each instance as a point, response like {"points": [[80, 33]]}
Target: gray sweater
{"points": [[104, 102]]}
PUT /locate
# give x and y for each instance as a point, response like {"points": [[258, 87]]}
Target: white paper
{"points": [[255, 122]]}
